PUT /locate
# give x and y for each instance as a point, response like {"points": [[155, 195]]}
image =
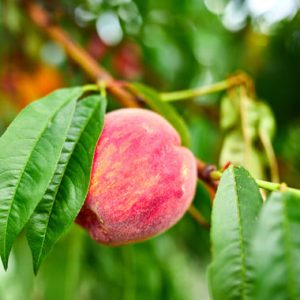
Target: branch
{"points": [[97, 73]]}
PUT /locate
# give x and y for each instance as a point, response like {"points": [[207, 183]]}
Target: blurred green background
{"points": [[169, 45]]}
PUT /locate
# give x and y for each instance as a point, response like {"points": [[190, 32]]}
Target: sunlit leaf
{"points": [[29, 151], [68, 188]]}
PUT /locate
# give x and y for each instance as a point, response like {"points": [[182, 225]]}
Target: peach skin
{"points": [[142, 180]]}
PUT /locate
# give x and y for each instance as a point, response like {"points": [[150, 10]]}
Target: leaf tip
{"points": [[4, 259], [36, 267], [36, 262]]}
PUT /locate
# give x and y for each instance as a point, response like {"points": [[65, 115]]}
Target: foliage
{"points": [[168, 45], [45, 180]]}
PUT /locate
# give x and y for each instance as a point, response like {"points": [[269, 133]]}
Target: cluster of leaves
{"points": [[179, 50], [46, 156], [248, 126]]}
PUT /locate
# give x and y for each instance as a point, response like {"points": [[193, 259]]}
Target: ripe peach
{"points": [[142, 180]]}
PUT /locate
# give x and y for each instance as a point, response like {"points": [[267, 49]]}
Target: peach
{"points": [[142, 180]]}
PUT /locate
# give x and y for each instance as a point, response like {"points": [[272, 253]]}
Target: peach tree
{"points": [[125, 177]]}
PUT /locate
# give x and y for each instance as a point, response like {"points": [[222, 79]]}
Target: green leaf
{"points": [[154, 101], [235, 211], [29, 151], [276, 249], [234, 150], [229, 113], [68, 188], [267, 123]]}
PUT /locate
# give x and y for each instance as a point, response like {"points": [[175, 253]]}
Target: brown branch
{"points": [[41, 18], [97, 73]]}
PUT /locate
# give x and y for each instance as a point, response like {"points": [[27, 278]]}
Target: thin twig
{"points": [[266, 185], [238, 79], [269, 150], [191, 93]]}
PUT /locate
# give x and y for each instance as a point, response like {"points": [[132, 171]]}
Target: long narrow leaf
{"points": [[235, 211], [29, 151], [68, 188]]}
